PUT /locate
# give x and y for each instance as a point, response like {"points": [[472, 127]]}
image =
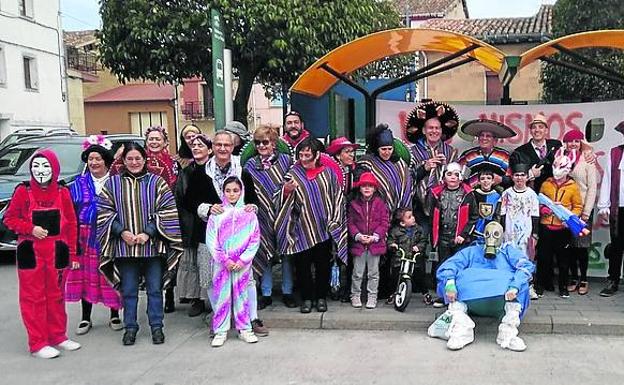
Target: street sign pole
{"points": [[218, 73]]}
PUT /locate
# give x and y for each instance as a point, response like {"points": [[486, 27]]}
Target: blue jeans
{"points": [[266, 282], [130, 270]]}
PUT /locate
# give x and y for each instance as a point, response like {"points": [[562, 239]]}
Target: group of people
{"points": [[211, 222]]}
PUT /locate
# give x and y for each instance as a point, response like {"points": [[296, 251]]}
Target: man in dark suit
{"points": [[538, 153]]}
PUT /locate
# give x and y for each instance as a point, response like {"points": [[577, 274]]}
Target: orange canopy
{"points": [[604, 39], [358, 53]]}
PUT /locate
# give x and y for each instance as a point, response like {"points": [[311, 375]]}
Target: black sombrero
{"points": [[425, 111]]}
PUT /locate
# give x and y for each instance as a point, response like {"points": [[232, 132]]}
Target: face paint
{"points": [[41, 170], [493, 239]]}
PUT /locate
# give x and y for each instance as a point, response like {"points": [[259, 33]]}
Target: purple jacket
{"points": [[368, 218]]}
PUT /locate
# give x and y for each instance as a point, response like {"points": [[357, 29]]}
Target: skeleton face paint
{"points": [[493, 239], [41, 170]]}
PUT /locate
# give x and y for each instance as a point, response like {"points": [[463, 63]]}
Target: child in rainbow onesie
{"points": [[233, 239]]}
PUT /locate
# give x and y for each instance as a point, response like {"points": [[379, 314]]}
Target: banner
{"points": [[561, 118]]}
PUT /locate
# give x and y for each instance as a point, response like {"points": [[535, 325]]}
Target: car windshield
{"points": [[15, 161]]}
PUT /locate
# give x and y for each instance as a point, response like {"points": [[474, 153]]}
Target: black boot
{"points": [[158, 337], [197, 307], [129, 337], [169, 301]]}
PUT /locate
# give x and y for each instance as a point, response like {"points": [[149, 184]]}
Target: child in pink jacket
{"points": [[368, 222]]}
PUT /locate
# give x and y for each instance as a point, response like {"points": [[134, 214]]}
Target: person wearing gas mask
{"points": [[42, 215], [489, 279]]}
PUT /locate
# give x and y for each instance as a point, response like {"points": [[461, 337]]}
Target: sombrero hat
{"points": [[477, 126], [425, 111]]}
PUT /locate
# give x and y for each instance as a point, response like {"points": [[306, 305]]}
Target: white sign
{"points": [[561, 118]]}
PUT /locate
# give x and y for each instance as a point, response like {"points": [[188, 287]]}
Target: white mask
{"points": [[41, 170]]}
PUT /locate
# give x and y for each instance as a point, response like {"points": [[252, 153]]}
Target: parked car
{"points": [[26, 133], [15, 166]]}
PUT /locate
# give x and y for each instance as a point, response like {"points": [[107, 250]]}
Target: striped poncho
{"points": [[425, 180], [395, 180], [267, 182], [133, 203], [474, 158], [311, 214]]}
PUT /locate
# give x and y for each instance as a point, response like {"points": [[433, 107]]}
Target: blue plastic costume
{"points": [[483, 282]]}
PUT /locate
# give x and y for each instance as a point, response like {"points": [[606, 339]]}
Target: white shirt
{"points": [[604, 201], [98, 183]]}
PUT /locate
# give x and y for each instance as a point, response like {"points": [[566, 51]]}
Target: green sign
{"points": [[218, 89]]}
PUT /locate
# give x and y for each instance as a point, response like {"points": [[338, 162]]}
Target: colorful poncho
{"points": [[311, 214], [135, 202], [267, 182], [395, 180], [87, 282], [421, 152], [473, 157]]}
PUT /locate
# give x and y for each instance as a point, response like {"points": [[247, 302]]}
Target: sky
{"points": [[83, 14]]}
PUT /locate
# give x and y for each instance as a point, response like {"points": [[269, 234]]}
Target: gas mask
{"points": [[493, 239], [41, 170]]}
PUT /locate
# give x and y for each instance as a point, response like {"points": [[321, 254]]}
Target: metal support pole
{"points": [[587, 60], [581, 69]]}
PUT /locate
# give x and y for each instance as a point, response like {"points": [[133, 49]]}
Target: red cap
{"points": [[573, 135], [367, 178]]}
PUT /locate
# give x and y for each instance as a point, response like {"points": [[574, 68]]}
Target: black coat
{"points": [[526, 154], [187, 218], [201, 190]]}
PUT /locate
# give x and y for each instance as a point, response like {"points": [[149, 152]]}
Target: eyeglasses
{"points": [[519, 174], [264, 142]]}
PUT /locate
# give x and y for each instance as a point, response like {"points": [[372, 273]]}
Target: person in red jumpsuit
{"points": [[42, 215]]}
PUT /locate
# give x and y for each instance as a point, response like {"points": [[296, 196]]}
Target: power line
{"points": [[88, 24]]}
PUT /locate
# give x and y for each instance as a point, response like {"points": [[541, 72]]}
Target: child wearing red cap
{"points": [[368, 222]]}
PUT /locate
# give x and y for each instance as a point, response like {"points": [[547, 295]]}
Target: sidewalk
{"points": [[589, 314]]}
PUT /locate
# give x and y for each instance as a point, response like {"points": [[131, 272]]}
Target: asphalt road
{"points": [[290, 356]]}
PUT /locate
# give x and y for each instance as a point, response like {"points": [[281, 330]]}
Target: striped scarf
{"points": [[474, 157]]}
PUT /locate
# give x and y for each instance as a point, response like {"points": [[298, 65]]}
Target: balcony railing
{"points": [[82, 61], [198, 110]]}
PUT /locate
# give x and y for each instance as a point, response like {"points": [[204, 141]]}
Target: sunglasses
{"points": [[264, 142]]}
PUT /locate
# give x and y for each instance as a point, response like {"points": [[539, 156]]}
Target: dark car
{"points": [[15, 167]]}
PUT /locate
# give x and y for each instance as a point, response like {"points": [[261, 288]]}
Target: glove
{"points": [[203, 210]]}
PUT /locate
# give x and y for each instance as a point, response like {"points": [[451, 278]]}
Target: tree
{"points": [[571, 16], [272, 41]]}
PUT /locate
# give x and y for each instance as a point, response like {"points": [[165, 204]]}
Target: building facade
{"points": [[33, 88]]}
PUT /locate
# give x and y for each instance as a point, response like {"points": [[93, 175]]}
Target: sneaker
{"points": [[533, 294], [289, 301], [611, 289], [321, 306], [572, 286], [427, 299], [540, 292], [356, 302], [438, 303], [158, 337], [69, 345], [248, 336], [390, 299], [563, 293], [46, 352], [218, 340], [83, 327], [264, 301], [371, 302], [258, 328]]}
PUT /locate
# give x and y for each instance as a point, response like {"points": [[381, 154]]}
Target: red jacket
{"points": [[466, 218], [368, 218], [20, 213]]}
